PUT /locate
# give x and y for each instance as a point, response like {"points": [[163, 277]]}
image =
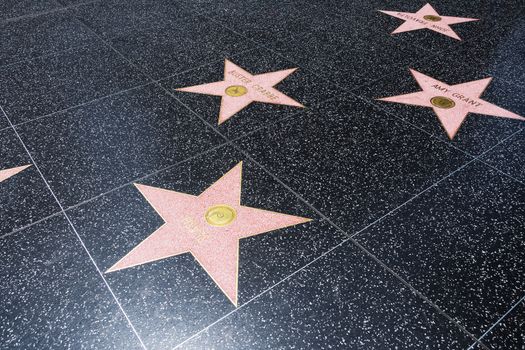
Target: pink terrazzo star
{"points": [[240, 88], [7, 173], [451, 103], [427, 18], [209, 226]]}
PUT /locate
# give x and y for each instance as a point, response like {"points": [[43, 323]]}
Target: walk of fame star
{"points": [[209, 226], [451, 103], [240, 88], [427, 18], [7, 173]]}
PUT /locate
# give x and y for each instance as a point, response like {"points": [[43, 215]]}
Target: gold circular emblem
{"points": [[220, 215], [442, 102], [432, 18], [236, 90]]}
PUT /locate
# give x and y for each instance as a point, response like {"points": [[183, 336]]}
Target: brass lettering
{"points": [[440, 88], [239, 76]]}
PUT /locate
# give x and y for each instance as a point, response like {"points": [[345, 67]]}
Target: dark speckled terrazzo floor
{"points": [[417, 240]]}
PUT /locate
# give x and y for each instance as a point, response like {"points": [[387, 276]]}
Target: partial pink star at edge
{"points": [[7, 173], [186, 229], [466, 97], [260, 88], [415, 21]]}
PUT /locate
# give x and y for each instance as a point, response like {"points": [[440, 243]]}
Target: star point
{"points": [[208, 226], [7, 173], [427, 18], [451, 103], [240, 88]]}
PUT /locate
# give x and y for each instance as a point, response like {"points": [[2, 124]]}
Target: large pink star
{"points": [[451, 103], [7, 173], [427, 18], [209, 226], [240, 88]]}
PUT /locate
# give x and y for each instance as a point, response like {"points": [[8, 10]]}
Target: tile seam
{"points": [[101, 275]]}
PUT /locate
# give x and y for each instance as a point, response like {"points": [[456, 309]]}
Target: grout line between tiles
{"points": [[74, 230], [344, 90], [483, 345], [261, 293], [501, 171], [277, 179], [5, 235], [155, 172], [430, 55], [489, 32], [496, 168], [283, 119], [98, 99], [216, 131], [348, 238], [149, 82], [431, 135], [144, 177], [79, 47], [447, 142], [205, 64], [371, 101], [352, 239], [464, 41], [41, 13], [248, 156], [245, 153], [515, 305], [417, 292]]}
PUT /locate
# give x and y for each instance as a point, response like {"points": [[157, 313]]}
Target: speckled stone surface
{"points": [[351, 160], [461, 244], [414, 242], [163, 51], [499, 53], [17, 8], [510, 332], [111, 18], [170, 299], [4, 124], [41, 35], [301, 85], [91, 149], [70, 2], [509, 156], [340, 52], [52, 296], [217, 6], [478, 133], [24, 198], [344, 300], [52, 83], [267, 21]]}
